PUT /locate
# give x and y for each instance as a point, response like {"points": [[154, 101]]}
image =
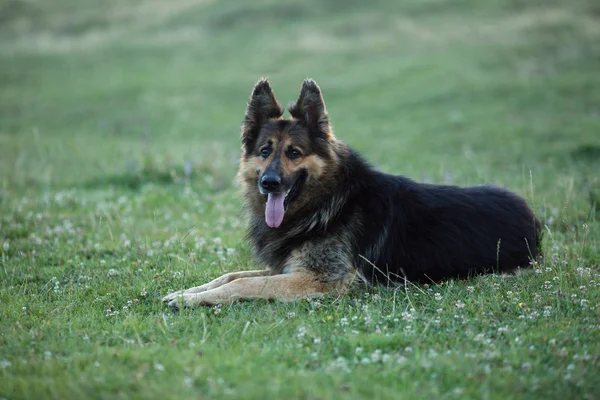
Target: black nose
{"points": [[270, 182]]}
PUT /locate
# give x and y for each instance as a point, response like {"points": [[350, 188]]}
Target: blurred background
{"points": [[119, 93]]}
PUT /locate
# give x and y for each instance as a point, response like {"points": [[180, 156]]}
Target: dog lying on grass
{"points": [[321, 219]]}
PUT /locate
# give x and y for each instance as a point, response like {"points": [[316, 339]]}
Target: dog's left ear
{"points": [[310, 108]]}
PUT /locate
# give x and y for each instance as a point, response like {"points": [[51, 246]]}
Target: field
{"points": [[119, 143]]}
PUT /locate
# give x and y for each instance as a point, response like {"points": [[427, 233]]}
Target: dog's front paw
{"points": [[191, 300], [180, 300], [172, 296]]}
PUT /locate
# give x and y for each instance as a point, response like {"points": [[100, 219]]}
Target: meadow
{"points": [[119, 144]]}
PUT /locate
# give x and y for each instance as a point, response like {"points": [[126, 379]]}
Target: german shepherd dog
{"points": [[321, 219]]}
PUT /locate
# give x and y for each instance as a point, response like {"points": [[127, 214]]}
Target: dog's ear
{"points": [[310, 108], [262, 106]]}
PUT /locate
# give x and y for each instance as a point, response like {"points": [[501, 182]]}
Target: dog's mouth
{"points": [[277, 203]]}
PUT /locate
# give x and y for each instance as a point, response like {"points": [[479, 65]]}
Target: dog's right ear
{"points": [[262, 106]]}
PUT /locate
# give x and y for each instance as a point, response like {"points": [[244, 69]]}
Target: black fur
{"points": [[435, 232]]}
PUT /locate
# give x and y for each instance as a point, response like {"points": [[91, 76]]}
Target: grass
{"points": [[119, 138]]}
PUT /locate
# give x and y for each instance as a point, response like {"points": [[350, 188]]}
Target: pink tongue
{"points": [[274, 209]]}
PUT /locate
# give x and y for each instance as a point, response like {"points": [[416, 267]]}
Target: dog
{"points": [[322, 220]]}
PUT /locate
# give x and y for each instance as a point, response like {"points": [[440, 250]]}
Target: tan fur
{"points": [[250, 169], [284, 287], [215, 283], [314, 165]]}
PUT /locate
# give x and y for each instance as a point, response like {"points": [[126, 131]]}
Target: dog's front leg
{"points": [[215, 283], [285, 287]]}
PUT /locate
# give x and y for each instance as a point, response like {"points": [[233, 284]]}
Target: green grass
{"points": [[106, 107]]}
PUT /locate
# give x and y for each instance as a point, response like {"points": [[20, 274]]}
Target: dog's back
{"points": [[427, 233]]}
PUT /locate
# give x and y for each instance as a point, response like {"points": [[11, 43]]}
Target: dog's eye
{"points": [[293, 153], [265, 152]]}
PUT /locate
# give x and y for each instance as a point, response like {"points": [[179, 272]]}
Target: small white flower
{"points": [[301, 332], [159, 367], [376, 356], [438, 296], [407, 316]]}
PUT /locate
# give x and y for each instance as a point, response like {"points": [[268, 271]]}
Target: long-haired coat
{"points": [[321, 218]]}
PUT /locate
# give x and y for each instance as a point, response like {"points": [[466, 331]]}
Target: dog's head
{"points": [[285, 162]]}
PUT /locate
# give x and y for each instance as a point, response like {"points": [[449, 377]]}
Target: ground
{"points": [[119, 141]]}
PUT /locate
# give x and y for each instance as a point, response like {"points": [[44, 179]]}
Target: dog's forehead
{"points": [[286, 131]]}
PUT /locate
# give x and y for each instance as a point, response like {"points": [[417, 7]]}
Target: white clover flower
{"points": [[301, 332], [407, 316]]}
